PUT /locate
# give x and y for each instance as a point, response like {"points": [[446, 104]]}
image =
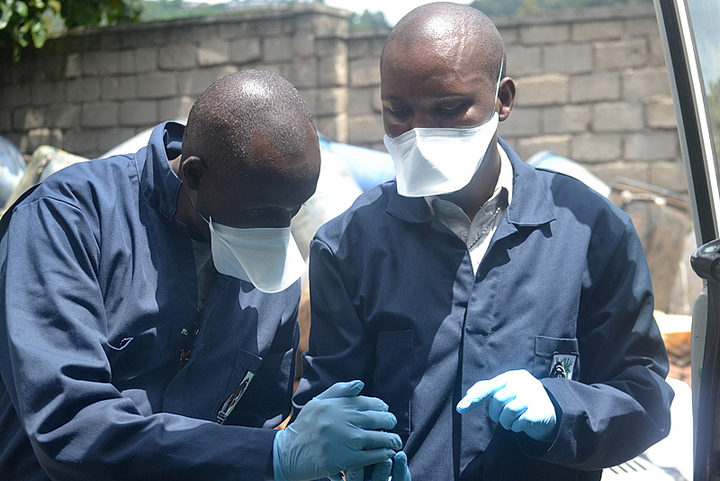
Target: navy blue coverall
{"points": [[97, 285], [396, 304]]}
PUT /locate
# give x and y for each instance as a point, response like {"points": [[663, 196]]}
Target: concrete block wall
{"points": [[592, 85], [91, 89]]}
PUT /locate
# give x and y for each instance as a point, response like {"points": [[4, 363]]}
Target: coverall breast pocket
{"points": [[246, 365], [391, 378], [556, 357]]}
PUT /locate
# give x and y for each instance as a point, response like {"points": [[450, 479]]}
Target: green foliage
{"points": [[368, 19], [26, 23], [530, 7]]}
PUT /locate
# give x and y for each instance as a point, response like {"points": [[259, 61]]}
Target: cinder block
{"points": [[377, 45], [234, 30], [610, 172], [277, 49], [110, 138], [245, 50], [334, 127], [191, 34], [126, 61], [15, 95], [527, 147], [642, 27], [377, 101], [335, 47], [523, 122], [596, 148], [176, 57], [361, 101], [669, 175], [523, 60], [64, 116], [100, 114], [551, 89], [5, 120], [510, 35], [48, 92], [27, 118], [29, 69], [544, 34], [194, 82], [215, 51], [661, 114], [364, 72], [328, 26], [173, 109], [332, 72], [357, 47], [618, 117], [332, 101], [81, 142], [157, 85], [83, 90], [603, 30], [646, 83], [621, 54], [119, 88], [73, 66], [139, 113], [366, 129], [568, 58], [567, 119], [303, 73], [304, 44], [146, 60], [657, 54], [595, 87], [655, 145], [100, 63], [310, 96]]}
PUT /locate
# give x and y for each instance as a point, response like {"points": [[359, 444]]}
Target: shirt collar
{"points": [[504, 183]]}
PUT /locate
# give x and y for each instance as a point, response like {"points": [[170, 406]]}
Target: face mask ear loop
{"points": [[193, 204], [497, 86]]}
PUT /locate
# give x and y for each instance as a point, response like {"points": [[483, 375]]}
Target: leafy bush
{"points": [[26, 23]]}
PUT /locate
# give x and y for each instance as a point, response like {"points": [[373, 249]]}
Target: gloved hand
{"points": [[518, 401], [335, 432], [397, 466]]}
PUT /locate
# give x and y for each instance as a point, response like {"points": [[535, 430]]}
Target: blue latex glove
{"points": [[518, 401], [335, 432], [397, 466]]}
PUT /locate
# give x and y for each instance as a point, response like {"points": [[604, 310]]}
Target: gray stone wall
{"points": [[592, 85]]}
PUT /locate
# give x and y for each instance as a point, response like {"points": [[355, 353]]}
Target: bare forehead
{"points": [[448, 32]]}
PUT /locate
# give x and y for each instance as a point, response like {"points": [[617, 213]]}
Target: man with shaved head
{"points": [[148, 307], [504, 313]]}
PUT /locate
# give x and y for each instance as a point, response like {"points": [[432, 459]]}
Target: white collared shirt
{"points": [[477, 233]]}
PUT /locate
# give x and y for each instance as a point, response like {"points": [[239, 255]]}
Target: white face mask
{"points": [[434, 161], [267, 257]]}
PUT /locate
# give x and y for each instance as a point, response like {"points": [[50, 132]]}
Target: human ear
{"points": [[192, 172], [506, 98]]}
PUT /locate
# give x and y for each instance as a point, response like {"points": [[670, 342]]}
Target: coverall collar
{"points": [[160, 186], [529, 207]]}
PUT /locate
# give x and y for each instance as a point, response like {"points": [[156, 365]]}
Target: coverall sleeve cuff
{"points": [[536, 449]]}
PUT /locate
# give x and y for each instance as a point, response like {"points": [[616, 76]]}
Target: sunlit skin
{"points": [[247, 203], [439, 83]]}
